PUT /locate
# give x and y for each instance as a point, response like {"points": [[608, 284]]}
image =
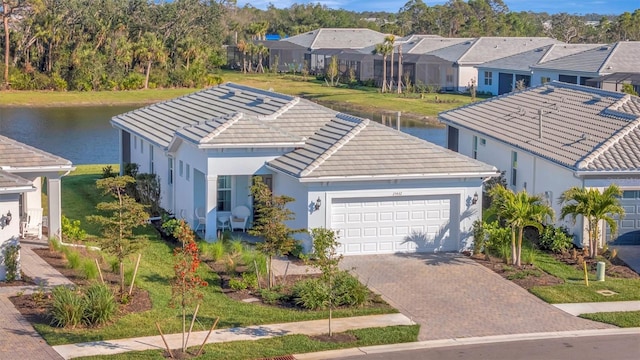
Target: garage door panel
{"points": [[387, 225], [629, 226]]}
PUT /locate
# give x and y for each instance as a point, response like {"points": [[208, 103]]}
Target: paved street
{"points": [[619, 347], [453, 297]]}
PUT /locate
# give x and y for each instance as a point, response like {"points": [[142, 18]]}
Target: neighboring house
{"points": [[385, 191], [615, 81], [579, 68], [501, 76], [22, 169], [288, 56], [330, 38], [552, 137]]}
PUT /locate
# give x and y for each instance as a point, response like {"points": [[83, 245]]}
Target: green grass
{"points": [[623, 319], [574, 290], [156, 270], [285, 345], [360, 98]]}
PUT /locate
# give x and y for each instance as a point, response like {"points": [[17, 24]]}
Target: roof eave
{"points": [[581, 173], [480, 174], [16, 189], [28, 169], [251, 145]]}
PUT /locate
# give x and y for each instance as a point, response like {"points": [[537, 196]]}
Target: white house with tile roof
{"points": [[551, 137], [500, 76], [22, 169], [578, 68], [385, 191]]}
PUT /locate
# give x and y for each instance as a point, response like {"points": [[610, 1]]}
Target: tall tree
{"points": [[594, 206], [391, 41], [383, 49], [150, 50], [9, 7], [519, 211]]}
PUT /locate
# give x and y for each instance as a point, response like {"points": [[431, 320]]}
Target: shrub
{"points": [[349, 291], [270, 297], [479, 237], [71, 230], [67, 308], [250, 280], [297, 250], [11, 262], [108, 172], [237, 284], [498, 239], [169, 226], [555, 239], [100, 305], [311, 294]]}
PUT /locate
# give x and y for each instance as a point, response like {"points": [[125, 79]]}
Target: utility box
{"points": [[600, 271]]}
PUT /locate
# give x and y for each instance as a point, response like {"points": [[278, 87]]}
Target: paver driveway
{"points": [[451, 296]]}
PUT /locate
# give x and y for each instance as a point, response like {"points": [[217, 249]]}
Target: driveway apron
{"points": [[452, 296]]}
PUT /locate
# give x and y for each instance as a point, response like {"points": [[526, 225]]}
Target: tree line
{"points": [[134, 44]]}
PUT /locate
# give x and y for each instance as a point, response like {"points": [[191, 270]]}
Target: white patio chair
{"points": [[239, 217], [32, 225], [200, 219]]}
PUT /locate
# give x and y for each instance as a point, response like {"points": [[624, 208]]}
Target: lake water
{"points": [[84, 135]]}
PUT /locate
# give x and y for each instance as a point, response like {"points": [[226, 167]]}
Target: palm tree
{"points": [[519, 210], [261, 50], [150, 49], [390, 40], [243, 47], [594, 206], [383, 49]]}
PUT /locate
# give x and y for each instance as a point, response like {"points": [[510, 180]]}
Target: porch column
{"points": [[55, 207], [211, 230]]}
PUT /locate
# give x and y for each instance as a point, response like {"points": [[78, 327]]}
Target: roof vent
{"points": [[604, 48], [585, 137], [263, 99], [235, 92]]}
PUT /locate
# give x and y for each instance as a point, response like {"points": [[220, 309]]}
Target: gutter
{"points": [[9, 169], [16, 189]]}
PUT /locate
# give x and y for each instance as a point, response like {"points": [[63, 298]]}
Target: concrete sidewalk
{"points": [[315, 327], [596, 307]]}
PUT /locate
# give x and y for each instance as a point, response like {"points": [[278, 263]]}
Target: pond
{"points": [[84, 136]]}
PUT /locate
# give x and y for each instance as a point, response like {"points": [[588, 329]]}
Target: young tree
{"points": [[324, 257], [594, 206], [332, 72], [519, 211], [272, 213], [383, 49], [390, 40], [121, 216], [186, 285]]}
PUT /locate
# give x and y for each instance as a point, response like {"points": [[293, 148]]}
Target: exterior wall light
{"points": [[5, 220], [474, 200], [318, 204]]}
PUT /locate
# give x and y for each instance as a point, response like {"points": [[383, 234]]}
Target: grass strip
{"points": [[624, 319]]}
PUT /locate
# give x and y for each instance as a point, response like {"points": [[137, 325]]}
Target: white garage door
{"points": [[396, 224], [629, 226]]}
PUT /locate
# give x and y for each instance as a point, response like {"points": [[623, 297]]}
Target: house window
{"points": [[514, 168], [170, 174], [141, 146], [630, 194], [452, 138], [488, 78], [475, 147], [224, 193], [483, 142], [135, 142], [151, 165], [544, 79], [180, 168], [188, 174], [570, 79]]}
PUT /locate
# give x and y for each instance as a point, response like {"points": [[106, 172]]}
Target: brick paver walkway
{"points": [[451, 296]]}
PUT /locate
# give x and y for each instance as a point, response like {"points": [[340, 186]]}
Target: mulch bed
{"points": [[24, 281], [35, 306], [529, 276]]}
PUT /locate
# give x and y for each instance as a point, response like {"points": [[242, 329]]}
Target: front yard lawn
{"points": [[285, 345], [156, 270], [574, 289], [623, 319]]}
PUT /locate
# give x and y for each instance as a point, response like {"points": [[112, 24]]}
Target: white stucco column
{"points": [[211, 231], [55, 207]]}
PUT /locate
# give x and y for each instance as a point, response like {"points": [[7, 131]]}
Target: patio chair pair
{"points": [[238, 219]]}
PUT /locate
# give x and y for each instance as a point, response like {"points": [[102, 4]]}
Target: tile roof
{"points": [[490, 48], [524, 61], [16, 156], [428, 44], [348, 38], [581, 128], [14, 183], [619, 57], [351, 147], [196, 117]]}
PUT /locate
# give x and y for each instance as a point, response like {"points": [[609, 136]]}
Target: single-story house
{"points": [[501, 76], [22, 170], [383, 190], [615, 81], [555, 136], [579, 68]]}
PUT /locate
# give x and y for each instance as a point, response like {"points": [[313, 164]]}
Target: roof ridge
{"points": [[604, 63], [256, 90], [363, 123], [477, 40], [609, 143], [230, 120], [546, 54], [613, 109], [315, 38], [280, 111]]}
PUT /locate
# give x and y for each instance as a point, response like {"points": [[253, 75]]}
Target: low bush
{"points": [[100, 305], [555, 239], [237, 284], [311, 294], [270, 297], [11, 262], [72, 230], [250, 280], [214, 250], [67, 308], [349, 291]]}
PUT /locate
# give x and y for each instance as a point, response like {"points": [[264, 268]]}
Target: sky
{"points": [[614, 7]]}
